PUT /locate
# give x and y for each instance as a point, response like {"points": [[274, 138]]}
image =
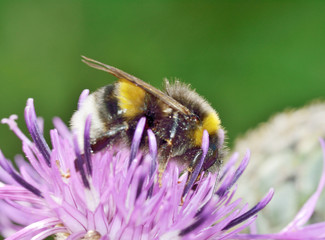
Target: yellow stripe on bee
{"points": [[130, 98], [211, 123]]}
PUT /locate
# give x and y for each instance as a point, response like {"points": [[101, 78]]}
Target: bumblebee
{"points": [[177, 116]]}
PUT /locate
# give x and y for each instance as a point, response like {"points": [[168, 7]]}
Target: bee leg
{"points": [[163, 160], [166, 151], [104, 140]]}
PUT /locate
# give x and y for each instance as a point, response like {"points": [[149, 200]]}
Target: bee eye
{"points": [[195, 118], [213, 146]]}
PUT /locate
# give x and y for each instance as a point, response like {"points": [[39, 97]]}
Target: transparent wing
{"points": [[147, 87]]}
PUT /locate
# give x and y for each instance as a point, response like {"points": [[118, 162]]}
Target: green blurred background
{"points": [[250, 59]]}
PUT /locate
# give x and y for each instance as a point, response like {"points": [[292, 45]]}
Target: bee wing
{"points": [[147, 87]]}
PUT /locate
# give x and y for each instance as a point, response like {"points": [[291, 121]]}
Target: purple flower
{"points": [[75, 194]]}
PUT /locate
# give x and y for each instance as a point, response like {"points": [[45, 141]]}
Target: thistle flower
{"points": [[286, 155], [71, 194]]}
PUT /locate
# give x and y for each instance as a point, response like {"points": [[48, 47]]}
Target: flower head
{"points": [[114, 194], [287, 156]]}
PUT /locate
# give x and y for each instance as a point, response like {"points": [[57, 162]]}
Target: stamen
{"points": [[87, 147], [139, 187], [228, 184], [241, 167], [83, 97], [231, 162], [258, 207], [137, 139], [197, 169], [153, 153], [40, 124], [33, 128], [194, 225], [152, 150], [79, 164], [62, 129], [11, 122], [4, 163], [212, 160]]}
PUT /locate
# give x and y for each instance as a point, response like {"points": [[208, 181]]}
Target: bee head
{"points": [[207, 119]]}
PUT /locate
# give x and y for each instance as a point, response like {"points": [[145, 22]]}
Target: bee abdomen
{"points": [[110, 101]]}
